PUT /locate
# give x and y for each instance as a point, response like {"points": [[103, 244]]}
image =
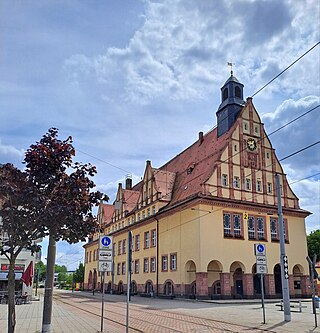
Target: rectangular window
{"points": [[90, 256], [260, 227], [164, 263], [153, 264], [153, 238], [138, 216], [224, 180], [123, 268], [146, 239], [153, 210], [124, 246], [236, 182], [259, 186], [144, 214], [118, 268], [275, 231], [146, 265], [133, 219], [148, 212], [235, 148], [232, 225], [173, 261], [136, 266], [119, 247], [137, 243], [269, 188], [248, 184], [251, 228]]}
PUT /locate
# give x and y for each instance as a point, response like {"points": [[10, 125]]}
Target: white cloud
{"points": [[9, 153]]}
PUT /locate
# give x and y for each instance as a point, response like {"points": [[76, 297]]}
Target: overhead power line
{"points": [[285, 69]]}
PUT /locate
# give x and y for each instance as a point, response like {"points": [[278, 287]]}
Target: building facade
{"points": [[191, 237]]}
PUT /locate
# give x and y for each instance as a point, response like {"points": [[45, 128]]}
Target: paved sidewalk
{"points": [[66, 319]]}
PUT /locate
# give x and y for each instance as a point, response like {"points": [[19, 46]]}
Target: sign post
{"points": [[261, 263], [105, 265], [129, 277]]}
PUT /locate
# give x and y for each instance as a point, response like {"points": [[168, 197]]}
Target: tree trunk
{"points": [[11, 300], [48, 292]]}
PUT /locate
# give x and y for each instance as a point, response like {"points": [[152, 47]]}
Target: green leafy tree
{"points": [[79, 274], [67, 197], [313, 241], [20, 225], [60, 269], [41, 268]]}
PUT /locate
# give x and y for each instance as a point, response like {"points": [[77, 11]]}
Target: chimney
{"points": [[200, 138], [128, 183]]}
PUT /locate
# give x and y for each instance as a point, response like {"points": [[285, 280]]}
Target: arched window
{"points": [[237, 92], [225, 94]]}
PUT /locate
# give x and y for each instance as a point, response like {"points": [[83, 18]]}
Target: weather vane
{"points": [[231, 64]]}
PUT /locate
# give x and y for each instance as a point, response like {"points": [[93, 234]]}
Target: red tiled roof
{"points": [[164, 182], [201, 159], [107, 212], [130, 200]]}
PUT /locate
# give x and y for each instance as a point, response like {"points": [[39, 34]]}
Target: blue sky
{"points": [[137, 80]]}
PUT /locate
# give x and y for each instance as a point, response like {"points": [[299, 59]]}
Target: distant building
{"points": [[190, 234]]}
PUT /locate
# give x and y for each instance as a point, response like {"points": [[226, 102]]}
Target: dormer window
{"points": [[225, 94]]}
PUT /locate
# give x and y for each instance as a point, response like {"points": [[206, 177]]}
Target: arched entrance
{"points": [[277, 279], [120, 287], [168, 288], [90, 280], [149, 288], [134, 288], [297, 272], [236, 270], [190, 277], [214, 269]]}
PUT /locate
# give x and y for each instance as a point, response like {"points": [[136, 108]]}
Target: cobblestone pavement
{"points": [[80, 312]]}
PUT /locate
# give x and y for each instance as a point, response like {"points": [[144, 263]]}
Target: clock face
{"points": [[251, 144]]}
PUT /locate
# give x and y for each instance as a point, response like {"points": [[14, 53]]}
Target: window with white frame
{"points": [[119, 247], [237, 225], [153, 264], [153, 210], [136, 266], [137, 243], [153, 238], [274, 228], [227, 224], [164, 263], [146, 239], [173, 261], [146, 265], [224, 180], [123, 268], [259, 186], [124, 246], [236, 182], [118, 268], [148, 212], [251, 228], [260, 227], [248, 184]]}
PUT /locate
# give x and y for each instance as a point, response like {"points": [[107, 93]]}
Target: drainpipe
{"points": [[157, 267]]}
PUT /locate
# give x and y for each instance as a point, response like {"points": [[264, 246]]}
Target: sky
{"points": [[132, 81]]}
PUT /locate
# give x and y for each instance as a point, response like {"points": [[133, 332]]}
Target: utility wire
{"points": [[285, 69]]}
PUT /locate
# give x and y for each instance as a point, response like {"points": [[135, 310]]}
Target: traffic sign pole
{"points": [[283, 258], [261, 264], [262, 298]]}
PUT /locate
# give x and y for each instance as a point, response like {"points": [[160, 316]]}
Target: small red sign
{"points": [[17, 268]]}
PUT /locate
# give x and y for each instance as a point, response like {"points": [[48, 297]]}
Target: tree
{"points": [[79, 274], [66, 190], [20, 226], [313, 241], [41, 268]]}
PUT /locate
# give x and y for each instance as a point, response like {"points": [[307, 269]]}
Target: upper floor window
{"points": [[173, 261], [137, 243], [164, 263], [153, 210], [236, 182], [274, 229], [248, 184], [148, 212], [153, 264], [136, 266], [259, 186], [123, 268], [144, 214], [237, 92], [146, 239], [124, 246], [119, 247], [224, 180], [146, 265], [153, 237], [225, 94], [269, 188], [232, 225], [118, 268], [139, 217], [256, 228]]}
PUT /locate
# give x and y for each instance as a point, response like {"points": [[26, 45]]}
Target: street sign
{"points": [[245, 216], [105, 266], [105, 255], [261, 260], [105, 242], [261, 269], [260, 249], [285, 267]]}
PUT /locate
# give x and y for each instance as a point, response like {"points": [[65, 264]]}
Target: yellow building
{"points": [[190, 237]]}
